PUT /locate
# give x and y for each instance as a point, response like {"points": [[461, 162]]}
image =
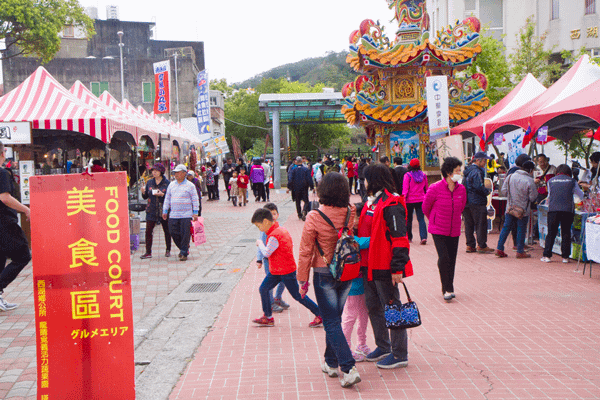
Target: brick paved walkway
{"points": [[152, 281], [518, 329]]}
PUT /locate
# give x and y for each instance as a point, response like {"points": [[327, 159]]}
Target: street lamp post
{"points": [[121, 44]]}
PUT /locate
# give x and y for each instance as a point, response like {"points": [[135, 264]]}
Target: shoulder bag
{"points": [[400, 315], [514, 210]]}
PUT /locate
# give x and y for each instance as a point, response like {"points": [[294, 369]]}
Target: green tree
{"points": [[32, 26], [580, 147], [222, 86], [530, 57], [492, 62]]}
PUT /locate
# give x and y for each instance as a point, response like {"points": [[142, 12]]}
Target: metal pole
{"points": [[276, 152], [121, 44], [176, 86]]}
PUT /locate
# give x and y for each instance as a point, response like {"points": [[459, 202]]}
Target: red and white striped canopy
{"points": [[44, 102], [130, 125]]}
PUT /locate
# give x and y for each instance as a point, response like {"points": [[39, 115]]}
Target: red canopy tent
{"points": [[528, 89], [578, 77], [43, 101], [575, 113]]}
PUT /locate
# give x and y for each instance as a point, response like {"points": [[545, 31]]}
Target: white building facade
{"points": [[567, 24]]}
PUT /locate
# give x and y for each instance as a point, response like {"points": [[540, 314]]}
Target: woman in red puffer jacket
{"points": [[443, 205]]}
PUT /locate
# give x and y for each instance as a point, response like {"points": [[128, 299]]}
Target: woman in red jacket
{"points": [[443, 205], [383, 219]]}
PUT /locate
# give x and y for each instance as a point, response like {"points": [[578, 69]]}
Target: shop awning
{"points": [[580, 76], [43, 101], [528, 89]]}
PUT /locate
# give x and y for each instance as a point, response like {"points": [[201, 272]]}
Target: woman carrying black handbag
{"points": [[383, 219]]}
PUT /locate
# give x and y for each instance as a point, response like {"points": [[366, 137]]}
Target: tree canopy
{"points": [[249, 125], [33, 25]]}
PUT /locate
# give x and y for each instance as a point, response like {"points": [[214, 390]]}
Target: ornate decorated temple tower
{"points": [[389, 99]]}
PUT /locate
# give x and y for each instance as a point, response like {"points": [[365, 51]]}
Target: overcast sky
{"points": [[243, 38]]}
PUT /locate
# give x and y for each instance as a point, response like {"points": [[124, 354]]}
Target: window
{"points": [[590, 7], [213, 101], [554, 9], [490, 12], [470, 5], [148, 92], [69, 31], [98, 88]]}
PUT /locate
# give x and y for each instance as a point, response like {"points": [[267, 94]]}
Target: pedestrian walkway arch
{"points": [[298, 109]]}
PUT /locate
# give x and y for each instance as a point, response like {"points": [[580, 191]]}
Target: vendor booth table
{"points": [[592, 244]]}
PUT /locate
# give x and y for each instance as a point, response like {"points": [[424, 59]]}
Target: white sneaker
{"points": [[332, 372], [565, 260], [6, 306], [351, 378], [545, 259]]}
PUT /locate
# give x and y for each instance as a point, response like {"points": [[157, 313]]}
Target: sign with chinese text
{"points": [[15, 133], [437, 106], [203, 106], [25, 173], [542, 134], [82, 286], [162, 101], [514, 141], [450, 146], [498, 138]]}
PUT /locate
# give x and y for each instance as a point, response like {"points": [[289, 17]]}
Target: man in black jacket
{"points": [[475, 212], [300, 181], [227, 171], [400, 171]]}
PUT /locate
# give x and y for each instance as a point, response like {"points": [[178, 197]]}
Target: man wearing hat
{"points": [[182, 200], [475, 213], [155, 191]]}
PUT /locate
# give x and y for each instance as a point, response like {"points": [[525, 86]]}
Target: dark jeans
{"points": [[212, 195], [331, 297], [290, 282], [149, 234], [226, 179], [418, 208], [267, 190], [351, 182], [13, 246], [259, 191], [447, 248], [216, 189], [301, 195], [179, 228], [475, 217], [521, 224], [378, 293], [565, 220]]}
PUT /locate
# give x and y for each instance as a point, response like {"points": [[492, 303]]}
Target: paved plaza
{"points": [[518, 329]]}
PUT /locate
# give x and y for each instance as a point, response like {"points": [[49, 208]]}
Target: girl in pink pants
{"points": [[356, 310]]}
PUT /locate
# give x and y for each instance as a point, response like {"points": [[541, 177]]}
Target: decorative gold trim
{"points": [[403, 89]]}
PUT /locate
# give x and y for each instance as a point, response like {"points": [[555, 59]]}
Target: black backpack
{"points": [[345, 264]]}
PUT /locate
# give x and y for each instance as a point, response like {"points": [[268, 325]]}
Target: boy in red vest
{"points": [[282, 267]]}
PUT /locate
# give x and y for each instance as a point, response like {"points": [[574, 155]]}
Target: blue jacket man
{"points": [[475, 212]]}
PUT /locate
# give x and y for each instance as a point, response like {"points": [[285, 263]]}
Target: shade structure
{"points": [[573, 114], [132, 126], [528, 89], [43, 101], [578, 77]]}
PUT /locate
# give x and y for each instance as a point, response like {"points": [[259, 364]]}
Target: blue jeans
{"points": [[331, 296], [509, 220], [418, 207], [280, 287], [291, 284]]}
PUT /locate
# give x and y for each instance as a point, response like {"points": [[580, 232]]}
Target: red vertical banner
{"points": [[82, 286], [162, 100]]}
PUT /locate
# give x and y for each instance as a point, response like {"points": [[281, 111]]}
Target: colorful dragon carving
{"points": [[465, 33], [412, 17]]}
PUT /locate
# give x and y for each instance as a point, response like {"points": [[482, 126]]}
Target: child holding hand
{"points": [[233, 188], [282, 267]]}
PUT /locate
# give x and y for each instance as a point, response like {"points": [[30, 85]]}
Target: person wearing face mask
{"points": [[443, 205]]}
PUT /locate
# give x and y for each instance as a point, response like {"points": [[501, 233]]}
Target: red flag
{"points": [[597, 134], [528, 136], [237, 151], [482, 144]]}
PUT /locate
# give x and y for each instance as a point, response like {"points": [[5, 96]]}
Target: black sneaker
{"points": [[146, 255]]}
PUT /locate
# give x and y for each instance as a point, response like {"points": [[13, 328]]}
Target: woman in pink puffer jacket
{"points": [[414, 188], [444, 203]]}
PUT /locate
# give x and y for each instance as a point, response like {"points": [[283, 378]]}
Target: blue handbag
{"points": [[400, 315]]}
